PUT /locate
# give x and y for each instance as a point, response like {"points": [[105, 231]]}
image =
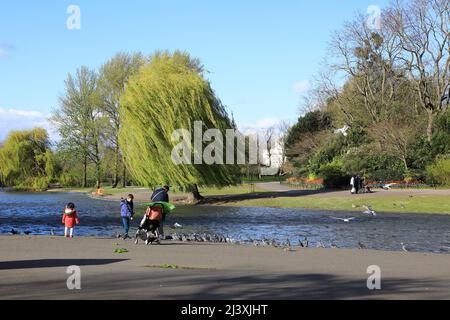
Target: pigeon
{"points": [[345, 220], [305, 243]]}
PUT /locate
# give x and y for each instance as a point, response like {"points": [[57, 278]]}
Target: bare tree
{"points": [[283, 130], [394, 137], [422, 30], [368, 58]]}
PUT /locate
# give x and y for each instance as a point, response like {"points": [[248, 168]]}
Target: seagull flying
{"points": [[388, 186], [344, 219], [369, 211], [343, 131]]}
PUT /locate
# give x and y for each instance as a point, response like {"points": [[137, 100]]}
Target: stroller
{"points": [[148, 228]]}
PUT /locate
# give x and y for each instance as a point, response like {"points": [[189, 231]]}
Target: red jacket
{"points": [[69, 220]]}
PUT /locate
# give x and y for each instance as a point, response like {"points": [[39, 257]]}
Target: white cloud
{"points": [[253, 128], [14, 119], [301, 86]]}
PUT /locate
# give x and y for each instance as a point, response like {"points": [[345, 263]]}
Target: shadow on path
{"points": [[53, 263]]}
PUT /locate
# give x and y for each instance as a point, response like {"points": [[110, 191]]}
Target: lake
{"points": [[40, 213]]}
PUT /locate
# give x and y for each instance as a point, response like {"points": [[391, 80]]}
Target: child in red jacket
{"points": [[69, 219]]}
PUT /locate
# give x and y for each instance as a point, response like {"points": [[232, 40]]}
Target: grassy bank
{"points": [[396, 204]]}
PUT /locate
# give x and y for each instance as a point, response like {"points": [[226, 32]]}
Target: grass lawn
{"points": [[418, 204]]}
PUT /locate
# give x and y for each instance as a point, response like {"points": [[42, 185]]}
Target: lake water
{"points": [[40, 213]]}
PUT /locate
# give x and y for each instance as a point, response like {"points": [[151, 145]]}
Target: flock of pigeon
{"points": [[287, 245]]}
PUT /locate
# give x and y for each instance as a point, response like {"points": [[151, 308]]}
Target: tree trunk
{"points": [[116, 169], [97, 171], [124, 174], [85, 172], [430, 126], [194, 196]]}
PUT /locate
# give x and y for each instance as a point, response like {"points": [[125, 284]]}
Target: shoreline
{"points": [[415, 201], [34, 267]]}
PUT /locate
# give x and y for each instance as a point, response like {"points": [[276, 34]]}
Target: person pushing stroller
{"points": [[149, 225]]}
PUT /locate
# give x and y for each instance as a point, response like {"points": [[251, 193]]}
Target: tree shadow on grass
{"points": [[54, 263], [266, 195]]}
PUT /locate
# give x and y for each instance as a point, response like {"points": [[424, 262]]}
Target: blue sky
{"points": [[261, 54]]}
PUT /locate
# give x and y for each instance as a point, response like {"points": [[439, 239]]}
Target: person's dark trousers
{"points": [[161, 226], [126, 225]]}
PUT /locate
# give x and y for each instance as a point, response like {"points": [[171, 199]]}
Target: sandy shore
{"points": [[35, 268]]}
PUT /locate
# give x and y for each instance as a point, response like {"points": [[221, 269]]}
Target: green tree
{"points": [[80, 121], [113, 78], [23, 159], [169, 94]]}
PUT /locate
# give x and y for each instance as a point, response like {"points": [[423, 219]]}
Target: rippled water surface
{"points": [[40, 213]]}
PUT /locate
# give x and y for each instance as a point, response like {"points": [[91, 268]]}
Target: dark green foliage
{"points": [[309, 123]]}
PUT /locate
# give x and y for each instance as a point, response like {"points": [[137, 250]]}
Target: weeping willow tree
{"points": [[168, 94], [26, 160]]}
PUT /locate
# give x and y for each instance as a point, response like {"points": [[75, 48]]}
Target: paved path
{"points": [[35, 268]]}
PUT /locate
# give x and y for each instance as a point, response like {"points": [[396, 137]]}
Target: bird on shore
{"points": [[52, 232], [27, 232], [404, 247], [304, 243], [369, 211], [388, 186], [320, 245], [347, 220], [361, 245], [14, 232]]}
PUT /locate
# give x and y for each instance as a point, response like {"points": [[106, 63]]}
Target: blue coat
{"points": [[126, 209]]}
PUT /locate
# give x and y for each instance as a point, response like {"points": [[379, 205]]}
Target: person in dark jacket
{"points": [[159, 195], [357, 183], [126, 213]]}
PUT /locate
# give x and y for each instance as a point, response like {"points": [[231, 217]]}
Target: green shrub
{"points": [[40, 184], [334, 175], [439, 172]]}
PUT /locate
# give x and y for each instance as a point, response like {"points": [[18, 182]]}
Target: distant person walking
{"points": [[126, 213], [161, 195], [357, 184], [352, 185]]}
